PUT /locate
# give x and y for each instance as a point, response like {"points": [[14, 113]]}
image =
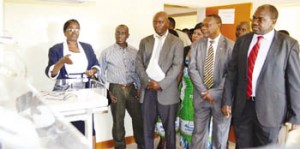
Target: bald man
{"points": [[158, 64]]}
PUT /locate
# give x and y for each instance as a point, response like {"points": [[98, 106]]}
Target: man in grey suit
{"points": [[207, 69], [158, 64], [263, 83]]}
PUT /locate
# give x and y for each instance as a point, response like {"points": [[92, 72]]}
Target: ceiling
{"points": [[209, 3], [173, 10], [173, 7]]}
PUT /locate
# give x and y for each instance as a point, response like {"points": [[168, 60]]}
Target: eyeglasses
{"points": [[72, 30]]}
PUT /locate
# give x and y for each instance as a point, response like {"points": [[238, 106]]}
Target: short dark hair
{"points": [[172, 21], [123, 25], [271, 8], [216, 17], [66, 25], [198, 25]]}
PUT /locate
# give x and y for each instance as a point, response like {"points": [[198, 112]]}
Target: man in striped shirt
{"points": [[118, 69]]}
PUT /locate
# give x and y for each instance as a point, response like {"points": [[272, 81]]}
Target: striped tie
{"points": [[251, 62], [208, 68]]}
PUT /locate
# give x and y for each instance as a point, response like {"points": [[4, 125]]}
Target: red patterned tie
{"points": [[251, 62]]}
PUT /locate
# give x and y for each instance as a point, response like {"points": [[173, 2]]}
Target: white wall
{"points": [[289, 20], [201, 14], [190, 21], [36, 26], [1, 17], [185, 21]]}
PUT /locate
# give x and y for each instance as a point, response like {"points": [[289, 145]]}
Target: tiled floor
{"points": [[156, 141]]}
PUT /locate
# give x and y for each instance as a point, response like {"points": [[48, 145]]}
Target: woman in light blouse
{"points": [[72, 59], [71, 56]]}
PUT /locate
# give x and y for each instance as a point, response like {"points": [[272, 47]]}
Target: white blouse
{"points": [[79, 59]]}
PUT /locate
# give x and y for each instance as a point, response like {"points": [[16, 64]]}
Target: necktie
{"points": [[251, 62], [208, 68]]}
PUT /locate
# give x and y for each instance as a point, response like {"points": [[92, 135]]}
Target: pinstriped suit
{"points": [[203, 109]]}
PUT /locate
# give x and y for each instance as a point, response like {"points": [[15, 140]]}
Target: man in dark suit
{"points": [[207, 68], [263, 83], [158, 64]]}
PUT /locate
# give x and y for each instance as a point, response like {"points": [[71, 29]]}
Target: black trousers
{"points": [[150, 110], [249, 132]]}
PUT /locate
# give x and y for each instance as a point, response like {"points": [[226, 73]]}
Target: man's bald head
{"points": [[160, 22], [161, 14]]}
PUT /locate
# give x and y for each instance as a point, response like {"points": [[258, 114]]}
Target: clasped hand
{"points": [[153, 85], [206, 96]]}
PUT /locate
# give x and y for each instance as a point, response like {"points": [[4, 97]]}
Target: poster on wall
{"points": [[227, 15]]}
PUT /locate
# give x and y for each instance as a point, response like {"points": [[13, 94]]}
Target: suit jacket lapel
{"points": [[149, 48], [204, 52], [244, 58], [219, 54], [165, 49], [219, 50], [205, 46], [87, 54], [271, 53]]}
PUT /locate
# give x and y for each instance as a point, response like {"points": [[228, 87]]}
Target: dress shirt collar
{"points": [[215, 40], [117, 46], [268, 36], [65, 46], [155, 35]]}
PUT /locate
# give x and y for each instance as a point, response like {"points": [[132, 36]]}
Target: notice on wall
{"points": [[227, 15]]}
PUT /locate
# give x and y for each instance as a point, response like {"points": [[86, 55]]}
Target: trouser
{"points": [[126, 99], [220, 127], [150, 110], [249, 132]]}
